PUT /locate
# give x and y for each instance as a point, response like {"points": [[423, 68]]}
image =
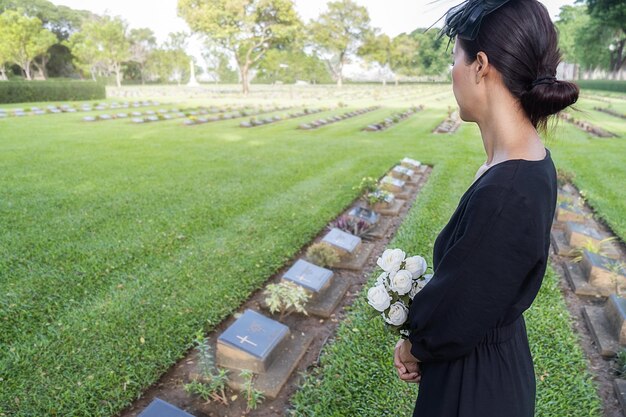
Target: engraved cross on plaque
{"points": [[301, 277], [245, 339]]}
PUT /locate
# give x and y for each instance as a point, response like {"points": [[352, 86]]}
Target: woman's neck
{"points": [[507, 133]]}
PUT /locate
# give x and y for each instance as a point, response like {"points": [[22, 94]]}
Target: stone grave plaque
{"points": [[152, 118], [410, 163], [615, 310], [402, 173], [251, 342], [578, 234], [121, 115], [3, 114], [393, 185], [602, 271], [619, 386], [105, 117], [137, 120], [346, 243], [70, 110], [567, 212], [362, 213], [309, 276], [160, 408], [39, 112], [89, 119]]}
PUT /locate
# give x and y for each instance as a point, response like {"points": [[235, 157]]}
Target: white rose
{"points": [[401, 282], [391, 260], [378, 298], [397, 315], [416, 265], [382, 279]]}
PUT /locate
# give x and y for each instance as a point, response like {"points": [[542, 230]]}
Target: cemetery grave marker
{"points": [[354, 253], [160, 408], [607, 325], [327, 291], [263, 346]]}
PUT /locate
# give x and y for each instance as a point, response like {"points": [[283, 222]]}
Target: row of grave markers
{"points": [[586, 126], [70, 108], [594, 265], [271, 349], [393, 119]]}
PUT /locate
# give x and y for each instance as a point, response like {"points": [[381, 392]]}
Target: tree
{"points": [[244, 28], [24, 39], [4, 58], [403, 57], [291, 64], [170, 61], [60, 20], [377, 49], [142, 42], [433, 55], [338, 32], [218, 66], [102, 43], [175, 47], [583, 39], [612, 15]]}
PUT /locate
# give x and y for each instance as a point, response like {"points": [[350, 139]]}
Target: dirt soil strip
{"points": [[170, 385]]}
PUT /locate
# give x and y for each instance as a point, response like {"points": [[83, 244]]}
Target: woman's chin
{"points": [[465, 117]]}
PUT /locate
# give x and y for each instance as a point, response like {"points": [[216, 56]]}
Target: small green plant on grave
{"points": [[367, 185], [563, 177], [378, 196], [617, 268], [322, 254], [620, 363], [286, 297], [592, 247], [209, 385], [253, 396]]}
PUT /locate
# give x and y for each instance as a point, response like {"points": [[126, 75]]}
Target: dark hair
{"points": [[521, 42]]}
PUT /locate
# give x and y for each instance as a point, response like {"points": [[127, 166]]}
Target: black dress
{"points": [[466, 324]]}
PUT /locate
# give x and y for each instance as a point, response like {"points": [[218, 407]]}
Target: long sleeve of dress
{"points": [[479, 277]]}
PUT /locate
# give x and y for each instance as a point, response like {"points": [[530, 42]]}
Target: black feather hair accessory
{"points": [[464, 19]]}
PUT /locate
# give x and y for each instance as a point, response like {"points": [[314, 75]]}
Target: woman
{"points": [[468, 346]]}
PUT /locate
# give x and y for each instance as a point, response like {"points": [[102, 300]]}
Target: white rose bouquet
{"points": [[396, 286]]}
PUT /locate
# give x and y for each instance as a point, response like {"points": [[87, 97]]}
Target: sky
{"points": [[391, 16]]}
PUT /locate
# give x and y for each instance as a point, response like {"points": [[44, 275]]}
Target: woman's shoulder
{"points": [[526, 187]]}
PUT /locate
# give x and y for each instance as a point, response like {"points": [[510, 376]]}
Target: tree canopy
{"points": [[245, 28]]}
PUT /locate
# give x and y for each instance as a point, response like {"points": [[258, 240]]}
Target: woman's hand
{"points": [[406, 364]]}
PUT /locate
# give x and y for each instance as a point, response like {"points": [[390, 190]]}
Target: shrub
{"points": [[605, 85], [286, 297], [31, 91], [322, 254]]}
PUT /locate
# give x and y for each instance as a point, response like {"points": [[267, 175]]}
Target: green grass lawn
{"points": [[119, 241]]}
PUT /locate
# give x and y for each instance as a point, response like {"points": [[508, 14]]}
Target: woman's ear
{"points": [[482, 66]]}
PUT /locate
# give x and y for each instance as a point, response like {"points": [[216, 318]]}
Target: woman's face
{"points": [[463, 85]]}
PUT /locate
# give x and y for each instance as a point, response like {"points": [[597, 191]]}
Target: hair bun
{"points": [[545, 99]]}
